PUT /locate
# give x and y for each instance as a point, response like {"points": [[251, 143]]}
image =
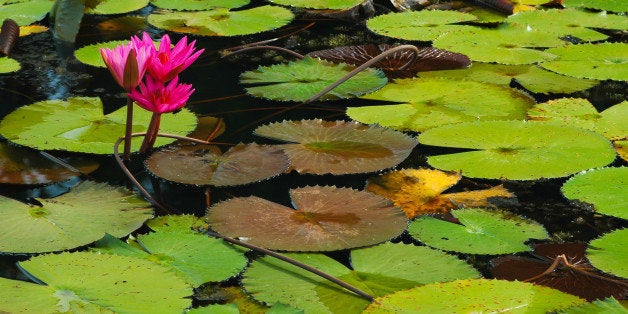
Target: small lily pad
{"points": [[320, 4], [608, 305], [25, 12], [617, 6], [300, 80], [90, 54], [604, 61], [198, 5], [425, 25], [339, 147], [200, 165], [113, 6], [517, 150], [8, 65], [327, 219], [222, 21], [480, 231], [605, 188], [608, 253]]}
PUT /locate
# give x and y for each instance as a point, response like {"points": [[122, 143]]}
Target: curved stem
{"points": [[288, 51]]}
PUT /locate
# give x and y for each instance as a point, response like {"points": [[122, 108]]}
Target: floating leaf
{"points": [[418, 191], [8, 65], [19, 165], [427, 59], [90, 54], [180, 223], [339, 147], [113, 6], [505, 44], [380, 270], [195, 5], [222, 22], [608, 5], [476, 296], [531, 77], [76, 218], [480, 231], [320, 4], [605, 61], [200, 165], [327, 218], [518, 150], [423, 25], [605, 188], [300, 80], [79, 125], [84, 282], [572, 274], [425, 103], [609, 305], [215, 309], [608, 253], [25, 12]]}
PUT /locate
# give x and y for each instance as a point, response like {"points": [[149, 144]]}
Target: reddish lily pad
{"points": [[396, 65], [327, 219], [339, 147], [205, 165]]}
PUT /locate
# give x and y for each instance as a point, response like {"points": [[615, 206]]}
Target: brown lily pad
{"points": [[327, 218], [339, 147], [205, 165], [398, 64]]}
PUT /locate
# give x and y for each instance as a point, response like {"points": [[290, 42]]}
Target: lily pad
{"points": [[76, 218], [300, 80], [339, 147], [380, 270], [26, 12], [182, 223], [222, 22], [506, 44], [475, 295], [197, 5], [79, 125], [327, 219], [19, 165], [425, 25], [605, 61], [8, 65], [425, 103], [90, 54], [84, 282], [608, 305], [200, 165], [518, 150], [608, 253], [113, 6], [531, 77], [605, 188], [480, 231], [320, 4], [607, 5]]}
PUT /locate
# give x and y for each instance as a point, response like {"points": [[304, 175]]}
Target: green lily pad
{"points": [[608, 253], [200, 165], [90, 54], [182, 223], [517, 150], [531, 77], [570, 22], [339, 147], [113, 6], [26, 12], [19, 165], [198, 5], [605, 61], [222, 22], [608, 305], [300, 80], [475, 296], [425, 103], [84, 282], [79, 125], [320, 4], [480, 231], [327, 219], [8, 65], [607, 5], [379, 270], [506, 44], [76, 218], [581, 113], [425, 25]]}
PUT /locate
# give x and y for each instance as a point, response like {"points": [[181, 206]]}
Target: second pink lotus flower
{"points": [[155, 96]]}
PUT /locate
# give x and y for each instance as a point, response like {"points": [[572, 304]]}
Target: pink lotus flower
{"points": [[168, 61], [127, 63], [156, 96]]}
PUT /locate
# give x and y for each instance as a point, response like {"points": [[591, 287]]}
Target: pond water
{"points": [[50, 72]]}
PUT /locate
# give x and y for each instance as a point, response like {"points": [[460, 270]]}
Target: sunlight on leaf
{"points": [[604, 61], [608, 253], [320, 4], [25, 12], [113, 6], [605, 188], [180, 223], [425, 25], [608, 5], [197, 5]]}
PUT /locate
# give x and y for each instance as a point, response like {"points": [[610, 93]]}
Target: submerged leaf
{"points": [[604, 61], [327, 219], [425, 25], [339, 147], [605, 188]]}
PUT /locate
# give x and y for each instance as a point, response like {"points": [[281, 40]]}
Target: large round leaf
{"points": [[76, 218], [300, 80], [475, 296], [193, 5], [605, 188], [200, 165], [339, 147], [25, 12], [320, 4], [85, 282], [480, 231], [608, 253], [79, 125], [222, 22], [423, 25], [605, 61], [326, 219], [425, 103], [518, 150]]}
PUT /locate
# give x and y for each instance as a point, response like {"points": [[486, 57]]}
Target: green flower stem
{"points": [[129, 129], [151, 134]]}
